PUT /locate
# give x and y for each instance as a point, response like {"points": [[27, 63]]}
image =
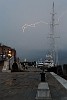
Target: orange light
{"points": [[9, 51], [9, 55]]}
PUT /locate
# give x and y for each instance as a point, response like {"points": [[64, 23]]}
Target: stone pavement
{"points": [[58, 92], [19, 85], [23, 85]]}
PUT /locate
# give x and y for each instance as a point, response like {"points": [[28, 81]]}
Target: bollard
{"points": [[42, 77]]}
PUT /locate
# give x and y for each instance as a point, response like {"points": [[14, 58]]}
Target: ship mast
{"points": [[52, 35]]}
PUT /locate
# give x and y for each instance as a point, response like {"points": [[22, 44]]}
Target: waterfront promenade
{"points": [[23, 85]]}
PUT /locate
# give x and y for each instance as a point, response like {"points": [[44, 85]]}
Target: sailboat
{"points": [[51, 57]]}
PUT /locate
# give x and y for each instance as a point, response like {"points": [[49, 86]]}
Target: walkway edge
{"points": [[60, 79]]}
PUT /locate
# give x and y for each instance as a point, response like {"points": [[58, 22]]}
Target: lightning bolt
{"points": [[32, 25]]}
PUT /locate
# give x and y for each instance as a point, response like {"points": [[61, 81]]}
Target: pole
{"points": [[9, 63]]}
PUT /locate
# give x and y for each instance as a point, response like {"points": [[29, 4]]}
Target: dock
{"points": [[24, 85]]}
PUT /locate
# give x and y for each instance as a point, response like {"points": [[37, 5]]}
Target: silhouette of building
{"points": [[6, 52]]}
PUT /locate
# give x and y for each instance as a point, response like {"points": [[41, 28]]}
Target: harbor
{"points": [[26, 73]]}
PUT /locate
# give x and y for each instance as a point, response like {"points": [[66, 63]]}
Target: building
{"points": [[6, 52]]}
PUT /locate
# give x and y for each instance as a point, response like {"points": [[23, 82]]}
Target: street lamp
{"points": [[9, 56]]}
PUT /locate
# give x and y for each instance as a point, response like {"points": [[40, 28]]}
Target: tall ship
{"points": [[48, 63], [51, 58]]}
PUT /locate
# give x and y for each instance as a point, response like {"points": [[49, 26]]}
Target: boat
{"points": [[50, 60], [40, 63], [48, 63]]}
